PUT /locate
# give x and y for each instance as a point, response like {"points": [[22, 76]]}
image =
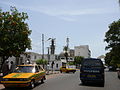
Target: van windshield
{"points": [[96, 63]]}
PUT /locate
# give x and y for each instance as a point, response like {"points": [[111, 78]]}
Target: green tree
{"points": [[112, 37], [71, 63], [14, 33], [108, 58], [77, 60], [41, 62]]}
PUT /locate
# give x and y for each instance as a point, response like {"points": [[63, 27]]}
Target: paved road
{"points": [[72, 82]]}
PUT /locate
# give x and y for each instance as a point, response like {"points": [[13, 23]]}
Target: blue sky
{"points": [[84, 22]]}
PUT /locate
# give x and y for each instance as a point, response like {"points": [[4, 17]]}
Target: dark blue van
{"points": [[92, 71]]}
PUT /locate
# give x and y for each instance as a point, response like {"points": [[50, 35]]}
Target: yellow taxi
{"points": [[67, 69], [24, 76]]}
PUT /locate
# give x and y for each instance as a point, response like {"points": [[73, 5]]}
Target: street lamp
{"points": [[48, 60]]}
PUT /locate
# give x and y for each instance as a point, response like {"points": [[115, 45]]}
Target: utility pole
{"points": [[42, 46], [48, 65]]}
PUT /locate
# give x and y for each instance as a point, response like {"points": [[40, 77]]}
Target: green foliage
{"points": [[41, 62], [112, 37], [71, 63], [108, 58], [14, 33], [78, 59]]}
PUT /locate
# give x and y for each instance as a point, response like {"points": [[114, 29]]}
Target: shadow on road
{"points": [[91, 85], [23, 88]]}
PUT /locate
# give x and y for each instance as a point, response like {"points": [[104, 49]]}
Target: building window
{"points": [[35, 57], [56, 65]]}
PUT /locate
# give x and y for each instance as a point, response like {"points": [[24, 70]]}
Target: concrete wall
{"points": [[82, 50]]}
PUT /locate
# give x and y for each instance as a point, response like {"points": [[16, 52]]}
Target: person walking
{"points": [[12, 67], [5, 68]]}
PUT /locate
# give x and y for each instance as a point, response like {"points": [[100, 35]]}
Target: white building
{"points": [[82, 50]]}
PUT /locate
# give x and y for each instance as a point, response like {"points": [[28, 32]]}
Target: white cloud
{"points": [[64, 14]]}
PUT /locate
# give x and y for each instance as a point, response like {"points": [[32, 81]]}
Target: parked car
{"points": [[92, 71], [24, 76], [112, 68], [67, 69]]}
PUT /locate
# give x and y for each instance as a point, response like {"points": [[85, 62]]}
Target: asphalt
{"points": [[48, 76]]}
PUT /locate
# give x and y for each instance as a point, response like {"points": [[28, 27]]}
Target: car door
{"points": [[37, 73]]}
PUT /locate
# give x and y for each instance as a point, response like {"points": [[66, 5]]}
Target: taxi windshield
{"points": [[24, 69]]}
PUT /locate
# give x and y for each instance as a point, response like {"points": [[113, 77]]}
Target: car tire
{"points": [[118, 76], [60, 71], [7, 88], [73, 71], [32, 85], [42, 80]]}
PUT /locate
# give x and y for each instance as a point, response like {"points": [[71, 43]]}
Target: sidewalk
{"points": [[48, 76]]}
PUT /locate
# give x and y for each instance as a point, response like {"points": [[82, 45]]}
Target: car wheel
{"points": [[42, 80], [118, 76], [32, 85], [7, 88], [60, 71], [73, 71]]}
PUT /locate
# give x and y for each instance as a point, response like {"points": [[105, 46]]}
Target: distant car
{"points": [[67, 69], [118, 72], [92, 71], [24, 76], [112, 68]]}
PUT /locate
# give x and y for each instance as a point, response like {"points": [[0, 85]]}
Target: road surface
{"points": [[71, 81]]}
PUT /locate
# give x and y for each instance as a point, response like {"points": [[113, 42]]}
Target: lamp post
{"points": [[42, 46], [48, 59]]}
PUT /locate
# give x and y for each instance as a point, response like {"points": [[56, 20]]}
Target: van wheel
{"points": [[102, 84], [32, 85], [83, 82], [118, 76]]}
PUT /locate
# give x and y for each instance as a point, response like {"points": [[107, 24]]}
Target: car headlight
{"points": [[5, 79]]}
